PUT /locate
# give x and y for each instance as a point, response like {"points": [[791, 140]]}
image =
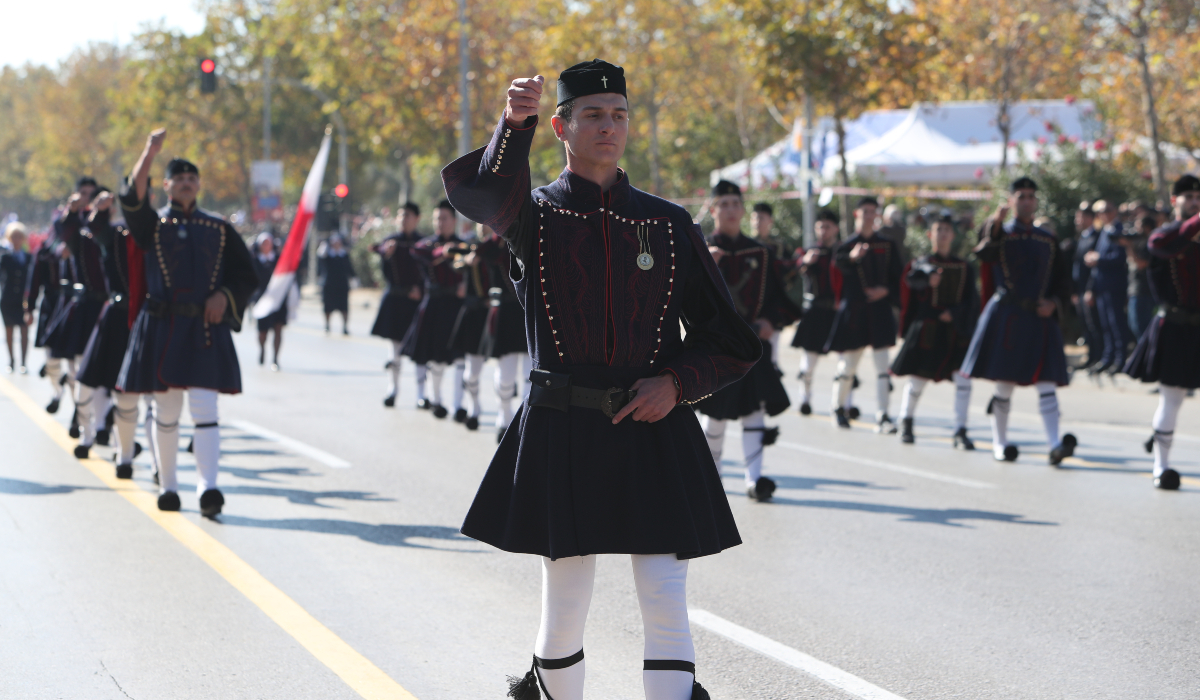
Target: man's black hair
{"points": [[829, 215], [764, 208], [412, 206], [445, 204], [725, 187], [84, 181], [1186, 183], [867, 202], [1023, 183], [1148, 222]]}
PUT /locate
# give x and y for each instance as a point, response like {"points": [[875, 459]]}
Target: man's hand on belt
{"points": [[214, 308], [655, 399]]}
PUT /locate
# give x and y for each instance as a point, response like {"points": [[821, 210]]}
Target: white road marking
{"points": [[958, 480], [832, 675], [294, 445]]}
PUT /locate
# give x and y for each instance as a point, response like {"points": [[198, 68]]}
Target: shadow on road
{"points": [[20, 487], [805, 483], [937, 516], [261, 474], [390, 535], [304, 498]]}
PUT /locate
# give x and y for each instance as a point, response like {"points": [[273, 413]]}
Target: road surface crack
{"points": [[114, 680]]}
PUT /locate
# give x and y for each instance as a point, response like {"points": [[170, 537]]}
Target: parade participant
{"points": [[1018, 340], [762, 222], [749, 269], [401, 298], [821, 282], [1169, 350], [871, 268], [504, 334], [14, 273], [189, 284], [1085, 306], [102, 358], [264, 259], [940, 304], [1107, 288], [1141, 299], [466, 338], [602, 458], [336, 271], [52, 277], [428, 340], [895, 229]]}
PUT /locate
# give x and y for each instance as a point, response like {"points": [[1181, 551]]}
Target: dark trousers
{"points": [[1114, 327], [1090, 322]]}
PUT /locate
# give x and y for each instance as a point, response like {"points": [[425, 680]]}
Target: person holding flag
{"points": [[190, 277]]}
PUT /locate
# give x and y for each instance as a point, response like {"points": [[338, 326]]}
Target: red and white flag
{"points": [[283, 281]]}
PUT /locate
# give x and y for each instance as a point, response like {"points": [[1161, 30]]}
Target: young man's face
{"points": [[87, 192], [17, 239], [267, 246], [1186, 205], [827, 233], [1024, 203], [727, 211], [941, 235], [761, 222], [864, 219], [1083, 220], [597, 130], [182, 188], [408, 221], [443, 222]]}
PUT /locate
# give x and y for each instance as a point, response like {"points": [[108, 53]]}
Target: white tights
{"points": [[168, 406], [394, 373], [962, 397], [1002, 405], [844, 381], [661, 581], [752, 442], [125, 424], [92, 406], [808, 367], [506, 384], [470, 382], [1170, 399]]}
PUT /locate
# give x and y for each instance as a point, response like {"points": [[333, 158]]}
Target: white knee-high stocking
{"points": [[962, 399], [1170, 399], [714, 433], [85, 412], [125, 424], [202, 404], [661, 581], [394, 370], [566, 596], [843, 381], [882, 382], [808, 367], [460, 369], [1048, 407], [471, 381], [168, 405], [506, 387], [436, 369], [752, 445], [912, 394], [54, 372], [1001, 405]]}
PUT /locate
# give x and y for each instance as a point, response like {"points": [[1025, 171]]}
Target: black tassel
{"points": [[770, 435], [698, 692], [989, 408], [524, 688]]}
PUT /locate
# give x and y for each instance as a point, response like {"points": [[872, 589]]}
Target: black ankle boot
{"points": [[906, 431]]}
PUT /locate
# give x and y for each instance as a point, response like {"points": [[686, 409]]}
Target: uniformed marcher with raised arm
{"points": [[822, 282], [190, 280], [601, 458], [1018, 341]]}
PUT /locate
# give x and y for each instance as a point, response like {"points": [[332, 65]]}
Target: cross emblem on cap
{"points": [[604, 80]]}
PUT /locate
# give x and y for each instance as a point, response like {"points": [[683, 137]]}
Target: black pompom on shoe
{"points": [[853, 412], [125, 471], [524, 687], [472, 423], [440, 411], [137, 449], [698, 692], [52, 407], [81, 451], [840, 416], [102, 437], [460, 415], [1167, 481], [389, 401], [805, 409], [764, 488], [211, 502], [1148, 445], [1011, 453], [191, 446], [168, 501], [1065, 449]]}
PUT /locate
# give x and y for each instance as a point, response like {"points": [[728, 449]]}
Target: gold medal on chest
{"points": [[645, 260]]}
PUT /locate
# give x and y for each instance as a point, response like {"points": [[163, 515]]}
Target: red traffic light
{"points": [[208, 65], [341, 190]]}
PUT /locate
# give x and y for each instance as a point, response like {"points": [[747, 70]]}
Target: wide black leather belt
{"points": [[554, 390], [161, 309], [1007, 297], [1183, 317]]}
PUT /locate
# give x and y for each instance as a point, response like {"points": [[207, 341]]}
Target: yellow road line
{"points": [[364, 677]]}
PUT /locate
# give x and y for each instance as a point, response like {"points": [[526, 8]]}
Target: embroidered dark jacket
{"points": [[1175, 263], [752, 272], [882, 266]]}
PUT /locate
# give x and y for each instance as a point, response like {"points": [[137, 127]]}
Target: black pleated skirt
{"points": [[760, 390], [932, 350], [1168, 353]]}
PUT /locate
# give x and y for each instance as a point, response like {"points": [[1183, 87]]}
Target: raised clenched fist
{"points": [[154, 142], [524, 96]]}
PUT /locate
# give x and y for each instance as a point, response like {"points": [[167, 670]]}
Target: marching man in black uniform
{"points": [[871, 268], [467, 337], [940, 306], [1018, 340], [401, 299], [15, 263], [820, 300], [190, 280], [752, 273], [602, 459], [1169, 350]]}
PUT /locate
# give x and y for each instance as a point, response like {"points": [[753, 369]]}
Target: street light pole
{"points": [[810, 216]]}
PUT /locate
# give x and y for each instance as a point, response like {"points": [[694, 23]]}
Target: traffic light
{"points": [[208, 76], [342, 191]]}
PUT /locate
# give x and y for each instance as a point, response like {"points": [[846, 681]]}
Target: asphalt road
{"points": [[917, 572]]}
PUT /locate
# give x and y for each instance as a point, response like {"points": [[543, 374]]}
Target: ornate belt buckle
{"points": [[606, 403]]}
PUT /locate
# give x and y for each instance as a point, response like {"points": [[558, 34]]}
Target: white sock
{"points": [[661, 582], [422, 372], [1170, 399], [168, 405], [843, 382], [506, 388], [1001, 405], [912, 394], [962, 398], [202, 404], [436, 369], [84, 408], [714, 433], [1048, 406], [460, 369], [394, 370], [882, 382], [54, 373], [566, 596], [471, 381], [808, 367], [125, 424], [752, 445]]}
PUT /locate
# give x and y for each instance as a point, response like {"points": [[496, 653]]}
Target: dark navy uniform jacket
{"points": [[572, 483], [1169, 350], [1111, 273], [184, 258]]}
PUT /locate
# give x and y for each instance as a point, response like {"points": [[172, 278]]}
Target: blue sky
{"points": [[47, 31]]}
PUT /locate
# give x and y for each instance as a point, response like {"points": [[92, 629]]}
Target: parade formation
{"points": [[626, 339]]}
